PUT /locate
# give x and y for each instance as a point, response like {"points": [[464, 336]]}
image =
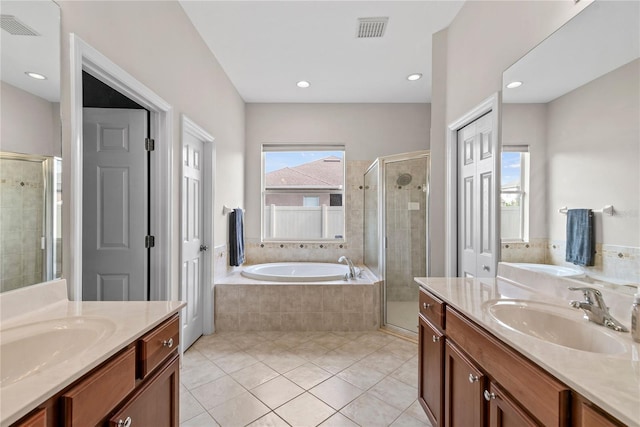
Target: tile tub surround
{"points": [[300, 379], [609, 381], [243, 304], [48, 301]]}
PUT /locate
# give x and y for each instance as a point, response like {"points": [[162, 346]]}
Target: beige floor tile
{"points": [[277, 392], [189, 406], [235, 361], [395, 393], [245, 340], [330, 340], [310, 350], [338, 420], [202, 420], [334, 361], [370, 411], [305, 410], [402, 349], [239, 411], [216, 392], [292, 339], [358, 350], [261, 351], [361, 376], [407, 373], [416, 411], [406, 420], [194, 375], [284, 362], [214, 351], [382, 361], [336, 392], [269, 420], [307, 375], [254, 375], [192, 357]]}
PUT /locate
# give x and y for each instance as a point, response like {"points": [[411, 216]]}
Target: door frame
{"points": [[490, 104], [84, 57], [189, 127]]}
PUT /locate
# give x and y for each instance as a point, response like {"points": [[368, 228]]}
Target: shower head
{"points": [[404, 179]]}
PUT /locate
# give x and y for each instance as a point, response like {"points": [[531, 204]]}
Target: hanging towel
{"points": [[580, 237], [236, 238]]}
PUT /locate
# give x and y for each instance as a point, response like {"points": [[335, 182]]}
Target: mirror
{"points": [[30, 144], [576, 115]]}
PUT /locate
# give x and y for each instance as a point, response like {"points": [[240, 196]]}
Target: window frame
{"points": [[523, 192], [305, 191]]}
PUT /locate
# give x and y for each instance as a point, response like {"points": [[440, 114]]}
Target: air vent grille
{"points": [[371, 27], [14, 26]]}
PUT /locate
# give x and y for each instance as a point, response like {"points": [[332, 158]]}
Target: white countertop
{"points": [[611, 381], [46, 303]]}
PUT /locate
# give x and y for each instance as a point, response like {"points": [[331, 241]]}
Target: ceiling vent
{"points": [[14, 26], [371, 27]]}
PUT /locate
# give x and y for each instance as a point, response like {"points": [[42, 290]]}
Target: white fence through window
{"points": [[303, 222]]}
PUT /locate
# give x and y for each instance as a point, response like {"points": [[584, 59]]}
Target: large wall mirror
{"points": [[571, 138], [30, 144]]}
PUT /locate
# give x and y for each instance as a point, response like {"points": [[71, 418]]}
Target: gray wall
{"points": [[367, 130]]}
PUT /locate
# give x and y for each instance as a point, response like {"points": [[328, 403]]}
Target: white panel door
{"points": [[476, 199], [114, 211], [193, 245]]}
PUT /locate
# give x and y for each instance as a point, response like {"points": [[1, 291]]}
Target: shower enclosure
{"points": [[395, 232]]}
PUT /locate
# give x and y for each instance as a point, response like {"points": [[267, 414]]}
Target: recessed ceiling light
{"points": [[36, 76], [303, 84], [514, 85], [414, 77]]}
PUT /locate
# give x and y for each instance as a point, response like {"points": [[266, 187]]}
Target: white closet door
{"points": [[114, 212], [477, 232]]}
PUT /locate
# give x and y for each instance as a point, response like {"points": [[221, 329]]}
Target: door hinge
{"points": [[149, 144], [149, 241]]}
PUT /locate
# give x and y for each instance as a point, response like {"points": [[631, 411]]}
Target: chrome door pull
{"points": [[435, 338], [489, 396], [168, 343], [473, 378], [125, 423]]}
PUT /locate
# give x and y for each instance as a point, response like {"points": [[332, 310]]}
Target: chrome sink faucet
{"points": [[596, 310], [352, 270]]}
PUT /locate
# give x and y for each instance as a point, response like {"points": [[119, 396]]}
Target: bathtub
{"points": [[554, 270], [297, 271]]}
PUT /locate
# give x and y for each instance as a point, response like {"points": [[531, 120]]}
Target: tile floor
{"points": [[300, 379]]}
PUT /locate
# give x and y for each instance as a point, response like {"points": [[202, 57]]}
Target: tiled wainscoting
{"points": [[292, 307]]}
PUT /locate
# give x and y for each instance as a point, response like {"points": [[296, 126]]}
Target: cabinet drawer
{"points": [[37, 419], [154, 347], [544, 397], [93, 398], [432, 308], [155, 403]]}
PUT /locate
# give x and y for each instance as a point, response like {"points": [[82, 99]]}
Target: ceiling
{"points": [[265, 47]]}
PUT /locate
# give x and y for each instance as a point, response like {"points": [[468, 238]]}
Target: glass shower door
{"points": [[405, 198]]}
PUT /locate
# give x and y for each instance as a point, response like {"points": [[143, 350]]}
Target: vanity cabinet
{"points": [[464, 384], [137, 386], [431, 356]]}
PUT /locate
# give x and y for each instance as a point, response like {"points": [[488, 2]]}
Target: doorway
{"points": [[84, 58]]}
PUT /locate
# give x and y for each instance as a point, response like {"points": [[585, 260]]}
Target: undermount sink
{"points": [[555, 324], [32, 348]]}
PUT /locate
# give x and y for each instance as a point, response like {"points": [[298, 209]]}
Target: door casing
{"points": [[85, 57], [492, 103]]}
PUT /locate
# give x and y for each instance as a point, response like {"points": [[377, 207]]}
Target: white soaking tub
{"points": [[297, 271]]}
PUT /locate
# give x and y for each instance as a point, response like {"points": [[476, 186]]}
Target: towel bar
{"points": [[608, 209], [227, 210]]}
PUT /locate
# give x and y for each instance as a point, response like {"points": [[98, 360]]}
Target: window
{"points": [[303, 192], [514, 195]]}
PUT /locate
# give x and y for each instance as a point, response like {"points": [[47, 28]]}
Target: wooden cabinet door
{"points": [[155, 403], [464, 385], [505, 412], [430, 370]]}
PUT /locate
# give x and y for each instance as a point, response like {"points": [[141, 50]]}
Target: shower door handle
{"points": [[204, 248]]}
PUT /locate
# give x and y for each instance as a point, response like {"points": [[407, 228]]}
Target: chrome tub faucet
{"points": [[352, 270], [595, 309]]}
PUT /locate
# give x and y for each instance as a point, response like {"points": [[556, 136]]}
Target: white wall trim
{"points": [[192, 128], [84, 57], [492, 103]]}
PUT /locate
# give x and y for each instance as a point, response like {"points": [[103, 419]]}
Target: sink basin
{"points": [[557, 325], [32, 348]]}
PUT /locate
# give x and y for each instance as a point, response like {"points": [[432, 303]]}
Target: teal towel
{"points": [[581, 242]]}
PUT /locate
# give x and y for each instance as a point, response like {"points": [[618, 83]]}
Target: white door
{"points": [[193, 244], [114, 208], [477, 233]]}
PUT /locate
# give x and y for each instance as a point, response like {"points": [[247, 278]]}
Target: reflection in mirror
{"points": [[577, 111], [30, 144]]}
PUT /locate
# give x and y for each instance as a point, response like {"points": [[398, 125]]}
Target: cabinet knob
{"points": [[473, 378], [425, 305], [168, 343], [435, 338], [124, 423], [489, 396]]}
